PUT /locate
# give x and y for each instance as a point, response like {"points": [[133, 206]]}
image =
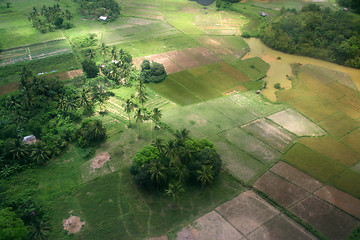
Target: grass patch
{"points": [[332, 148], [348, 181], [10, 73], [340, 124], [314, 163], [353, 140], [114, 202], [255, 68]]}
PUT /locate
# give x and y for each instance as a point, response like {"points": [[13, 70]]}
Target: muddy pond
{"points": [[280, 66]]}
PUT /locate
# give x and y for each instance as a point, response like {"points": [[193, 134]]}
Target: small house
{"points": [[263, 14], [29, 139], [104, 18]]}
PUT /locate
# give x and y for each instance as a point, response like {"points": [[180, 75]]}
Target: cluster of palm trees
{"points": [[173, 164], [136, 104], [49, 18], [97, 8]]}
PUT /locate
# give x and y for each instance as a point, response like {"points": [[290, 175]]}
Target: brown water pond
{"points": [[280, 66]]}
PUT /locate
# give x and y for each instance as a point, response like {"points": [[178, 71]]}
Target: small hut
{"points": [[263, 14], [29, 139]]}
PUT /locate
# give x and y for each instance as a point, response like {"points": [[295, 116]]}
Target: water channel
{"points": [[280, 66]]}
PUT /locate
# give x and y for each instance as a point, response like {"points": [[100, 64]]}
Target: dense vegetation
{"points": [[50, 18], [51, 111], [316, 32], [352, 4], [97, 8], [223, 4], [177, 162], [152, 72]]}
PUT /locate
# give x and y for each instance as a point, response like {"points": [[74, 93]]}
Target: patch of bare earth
{"points": [[169, 65], [210, 227], [332, 222], [99, 161], [183, 59], [74, 73], [73, 224]]}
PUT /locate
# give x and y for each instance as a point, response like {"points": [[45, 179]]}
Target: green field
{"points": [[201, 83]]}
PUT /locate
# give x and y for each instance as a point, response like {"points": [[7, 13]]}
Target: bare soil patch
{"points": [[74, 73], [73, 224], [340, 199], [210, 227], [208, 54], [199, 56], [8, 88], [183, 59], [281, 190], [296, 176], [99, 161], [169, 65], [332, 222], [247, 212], [271, 134], [281, 227]]}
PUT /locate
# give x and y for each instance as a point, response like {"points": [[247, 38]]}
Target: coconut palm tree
{"points": [[181, 136], [104, 50], [90, 53], [156, 115], [174, 190], [84, 99], [158, 143], [205, 175], [157, 172], [38, 230], [40, 153], [19, 150], [129, 107], [113, 53], [139, 117], [171, 151], [181, 172]]}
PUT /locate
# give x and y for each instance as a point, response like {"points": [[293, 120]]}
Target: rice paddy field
{"points": [[310, 131]]}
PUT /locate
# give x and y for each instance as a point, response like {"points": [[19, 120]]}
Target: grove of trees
{"points": [[173, 164], [152, 72], [352, 4], [97, 8], [50, 18], [316, 32]]}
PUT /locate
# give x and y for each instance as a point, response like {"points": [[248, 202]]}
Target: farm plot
{"points": [[251, 145], [204, 83], [229, 48], [237, 162], [139, 32], [271, 134], [340, 124], [255, 68], [35, 51], [353, 140], [332, 222], [296, 123], [314, 163]]}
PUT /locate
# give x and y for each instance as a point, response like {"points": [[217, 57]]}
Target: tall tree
{"points": [[205, 175], [174, 190], [129, 107], [156, 115], [139, 116], [40, 153], [157, 172]]}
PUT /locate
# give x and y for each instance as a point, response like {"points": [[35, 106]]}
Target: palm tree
{"points": [[181, 136], [156, 115], [181, 172], [90, 53], [113, 53], [171, 150], [104, 50], [205, 175], [26, 73], [98, 129], [139, 117], [129, 107], [84, 99], [12, 103], [40, 153], [157, 172], [158, 143], [174, 190], [19, 150], [38, 230]]}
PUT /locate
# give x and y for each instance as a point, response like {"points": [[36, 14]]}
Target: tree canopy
{"points": [[97, 8], [316, 32], [11, 227], [152, 72], [183, 160]]}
